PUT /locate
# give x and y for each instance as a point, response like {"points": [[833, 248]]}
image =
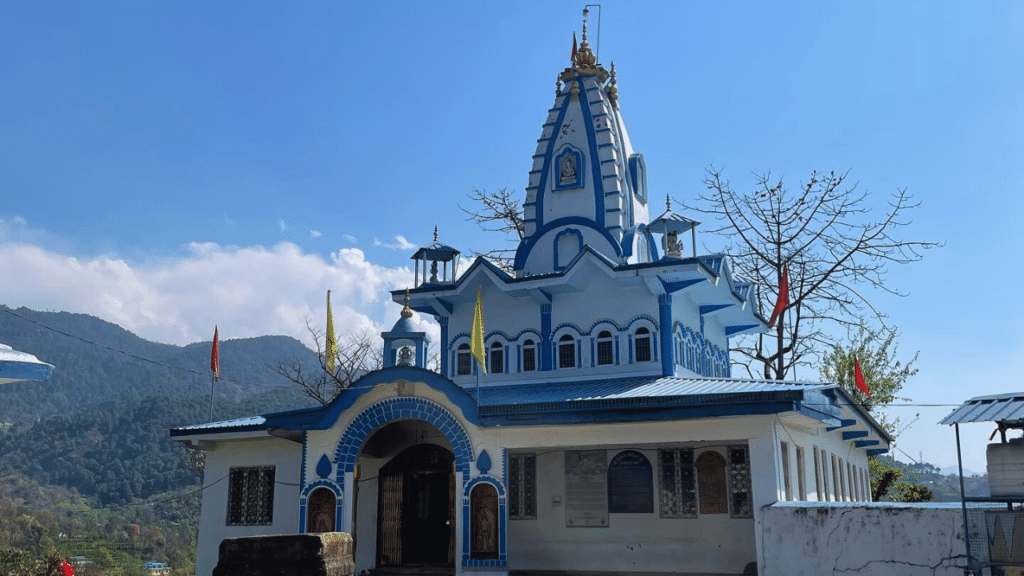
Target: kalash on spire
{"points": [[587, 187]]}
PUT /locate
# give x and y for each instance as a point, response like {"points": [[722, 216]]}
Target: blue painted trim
{"points": [[545, 329], [673, 287], [302, 472], [339, 498], [733, 330], [556, 176], [844, 423], [855, 434], [443, 321], [865, 443], [402, 408], [876, 451], [527, 244], [28, 371], [638, 176], [588, 123], [538, 219], [579, 247], [709, 308], [668, 360]]}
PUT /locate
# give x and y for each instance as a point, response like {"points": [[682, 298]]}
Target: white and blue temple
{"points": [[606, 435]]}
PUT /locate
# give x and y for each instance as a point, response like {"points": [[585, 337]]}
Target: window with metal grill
{"points": [[497, 358], [251, 496], [529, 356], [605, 349], [522, 486], [567, 352], [642, 343], [463, 360]]}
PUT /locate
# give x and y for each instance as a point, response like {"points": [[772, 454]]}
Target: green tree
{"points": [[884, 375]]}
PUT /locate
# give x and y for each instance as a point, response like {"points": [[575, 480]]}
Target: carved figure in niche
{"points": [[322, 505], [323, 522], [485, 529], [568, 169], [484, 504], [675, 246]]}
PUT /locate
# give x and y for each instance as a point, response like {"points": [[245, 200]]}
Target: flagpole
{"points": [[212, 380]]}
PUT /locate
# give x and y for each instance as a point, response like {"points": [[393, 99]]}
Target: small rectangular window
{"points": [[786, 482], [817, 475], [605, 354], [522, 485], [463, 361], [801, 473], [677, 485], [251, 496], [497, 360]]}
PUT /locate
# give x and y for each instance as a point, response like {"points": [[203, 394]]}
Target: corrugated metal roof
{"points": [[252, 422], [643, 387], [1007, 407]]}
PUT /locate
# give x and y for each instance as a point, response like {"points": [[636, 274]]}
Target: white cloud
{"points": [[400, 243], [349, 237], [315, 233], [282, 224], [248, 292]]}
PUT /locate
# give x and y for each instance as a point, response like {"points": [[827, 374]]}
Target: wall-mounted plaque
{"points": [[630, 484], [586, 488]]}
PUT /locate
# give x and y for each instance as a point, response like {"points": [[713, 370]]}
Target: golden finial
{"points": [[613, 88], [406, 311]]}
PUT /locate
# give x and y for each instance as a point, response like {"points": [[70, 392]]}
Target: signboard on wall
{"points": [[586, 488]]}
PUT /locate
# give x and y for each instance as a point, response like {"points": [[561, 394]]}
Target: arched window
{"points": [[605, 349], [463, 360], [322, 505], [497, 363], [642, 345], [529, 356], [567, 352], [711, 487]]}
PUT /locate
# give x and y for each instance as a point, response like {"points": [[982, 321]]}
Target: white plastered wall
{"points": [[284, 455]]}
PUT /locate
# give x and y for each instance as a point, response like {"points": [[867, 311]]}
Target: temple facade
{"points": [[602, 432]]}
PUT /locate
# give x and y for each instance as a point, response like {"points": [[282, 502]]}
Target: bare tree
{"points": [[497, 212], [356, 355], [835, 252]]}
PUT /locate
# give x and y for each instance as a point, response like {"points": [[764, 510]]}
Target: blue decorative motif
{"points": [[402, 408], [483, 463], [323, 467]]}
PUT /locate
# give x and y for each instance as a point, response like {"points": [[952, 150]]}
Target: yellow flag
{"points": [[477, 344], [332, 344]]}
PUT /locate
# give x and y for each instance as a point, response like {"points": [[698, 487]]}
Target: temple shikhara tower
{"points": [[592, 426]]}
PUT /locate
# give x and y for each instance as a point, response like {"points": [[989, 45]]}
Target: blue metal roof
{"points": [[1008, 407], [642, 387]]}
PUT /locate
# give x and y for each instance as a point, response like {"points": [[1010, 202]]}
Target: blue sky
{"points": [[171, 165]]}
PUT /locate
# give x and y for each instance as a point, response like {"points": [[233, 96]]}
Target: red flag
{"points": [[783, 297], [215, 356], [573, 55], [67, 569], [858, 377]]}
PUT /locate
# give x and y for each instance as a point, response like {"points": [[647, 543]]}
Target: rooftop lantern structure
{"points": [[670, 226], [433, 254]]}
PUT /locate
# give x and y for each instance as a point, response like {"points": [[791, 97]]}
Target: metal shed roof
{"points": [[1007, 407]]}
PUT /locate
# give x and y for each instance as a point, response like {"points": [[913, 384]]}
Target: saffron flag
{"points": [[215, 355], [573, 55], [858, 377], [332, 344], [783, 297], [477, 336]]}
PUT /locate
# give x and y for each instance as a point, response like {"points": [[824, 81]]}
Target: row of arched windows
{"points": [[698, 355], [568, 348]]}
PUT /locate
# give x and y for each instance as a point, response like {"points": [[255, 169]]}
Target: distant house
{"points": [[607, 434], [155, 568]]}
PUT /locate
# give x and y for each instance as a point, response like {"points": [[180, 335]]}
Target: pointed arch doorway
{"points": [[416, 509]]}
